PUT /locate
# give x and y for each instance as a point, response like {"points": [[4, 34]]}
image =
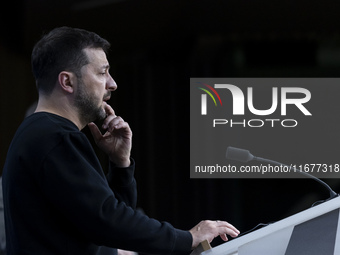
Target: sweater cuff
{"points": [[183, 242], [121, 176]]}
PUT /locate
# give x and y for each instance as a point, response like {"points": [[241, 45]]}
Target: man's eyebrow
{"points": [[106, 67]]}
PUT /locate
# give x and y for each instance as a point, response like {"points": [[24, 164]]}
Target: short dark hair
{"points": [[62, 50]]}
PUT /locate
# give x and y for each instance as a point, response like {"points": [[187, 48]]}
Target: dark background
{"points": [[157, 45]]}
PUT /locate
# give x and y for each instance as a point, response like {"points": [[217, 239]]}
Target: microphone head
{"points": [[239, 154]]}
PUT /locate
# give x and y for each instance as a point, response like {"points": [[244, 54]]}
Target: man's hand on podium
{"points": [[208, 230]]}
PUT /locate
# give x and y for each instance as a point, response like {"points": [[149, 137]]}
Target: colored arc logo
{"points": [[209, 93]]}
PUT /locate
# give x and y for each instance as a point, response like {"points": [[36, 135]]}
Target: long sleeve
{"points": [[58, 200], [77, 188], [123, 183]]}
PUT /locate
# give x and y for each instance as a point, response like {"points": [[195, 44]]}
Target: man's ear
{"points": [[66, 81]]}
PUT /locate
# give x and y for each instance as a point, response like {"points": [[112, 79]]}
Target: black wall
{"points": [[157, 45]]}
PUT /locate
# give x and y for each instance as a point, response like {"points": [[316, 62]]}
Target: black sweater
{"points": [[58, 201]]}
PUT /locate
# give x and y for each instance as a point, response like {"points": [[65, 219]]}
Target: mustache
{"points": [[107, 95]]}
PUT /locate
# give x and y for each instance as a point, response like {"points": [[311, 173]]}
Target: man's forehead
{"points": [[96, 56]]}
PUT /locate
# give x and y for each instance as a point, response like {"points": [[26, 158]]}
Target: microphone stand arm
{"points": [[331, 192]]}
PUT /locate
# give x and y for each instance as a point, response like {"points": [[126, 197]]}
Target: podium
{"points": [[315, 231]]}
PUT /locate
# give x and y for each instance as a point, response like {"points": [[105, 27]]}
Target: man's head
{"points": [[62, 49], [72, 74]]}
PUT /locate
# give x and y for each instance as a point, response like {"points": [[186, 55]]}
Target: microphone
{"points": [[245, 156]]}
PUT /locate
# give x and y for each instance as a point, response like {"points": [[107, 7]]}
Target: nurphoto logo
{"points": [[291, 120], [295, 96]]}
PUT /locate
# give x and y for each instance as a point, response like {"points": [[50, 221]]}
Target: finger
{"points": [[107, 121], [110, 114], [228, 231], [226, 228], [227, 225], [108, 109], [224, 237], [121, 125], [115, 123], [97, 135], [124, 130], [118, 124]]}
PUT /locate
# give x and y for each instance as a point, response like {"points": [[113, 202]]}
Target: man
{"points": [[57, 199]]}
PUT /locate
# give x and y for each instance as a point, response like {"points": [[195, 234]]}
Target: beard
{"points": [[89, 107]]}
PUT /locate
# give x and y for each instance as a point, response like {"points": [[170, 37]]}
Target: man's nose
{"points": [[111, 84]]}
